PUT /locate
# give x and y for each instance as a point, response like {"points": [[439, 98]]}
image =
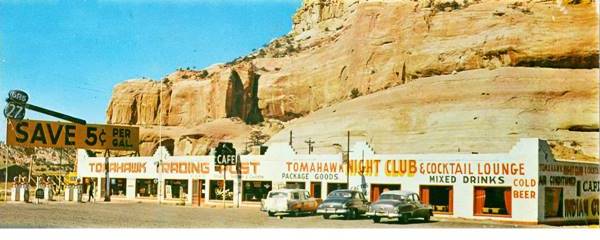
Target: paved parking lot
{"points": [[152, 215]]}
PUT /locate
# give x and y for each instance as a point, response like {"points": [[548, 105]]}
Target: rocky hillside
{"points": [[466, 74], [45, 160]]}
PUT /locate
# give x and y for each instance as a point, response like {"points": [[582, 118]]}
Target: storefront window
{"points": [[553, 202], [492, 201], [216, 190], [255, 190], [441, 198], [145, 188], [295, 185], [118, 186], [335, 186], [176, 188], [378, 189]]}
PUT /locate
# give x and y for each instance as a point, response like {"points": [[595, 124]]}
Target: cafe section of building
{"points": [[524, 185]]}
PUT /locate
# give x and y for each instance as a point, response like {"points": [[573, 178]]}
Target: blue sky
{"points": [[68, 55]]}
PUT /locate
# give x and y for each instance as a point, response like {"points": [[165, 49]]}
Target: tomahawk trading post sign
{"points": [[33, 133]]}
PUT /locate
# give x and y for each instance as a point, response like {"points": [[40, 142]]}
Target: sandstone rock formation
{"points": [[340, 49], [483, 111]]}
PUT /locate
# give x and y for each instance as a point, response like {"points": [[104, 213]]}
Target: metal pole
{"points": [[160, 185], [60, 168], [107, 187], [30, 169], [224, 173], [6, 175], [348, 163]]}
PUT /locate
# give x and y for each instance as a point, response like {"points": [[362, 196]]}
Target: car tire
{"points": [[376, 219], [351, 214], [295, 213], [403, 219], [427, 217], [325, 216], [271, 214]]}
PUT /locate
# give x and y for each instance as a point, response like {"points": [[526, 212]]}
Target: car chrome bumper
{"points": [[332, 211], [383, 214]]}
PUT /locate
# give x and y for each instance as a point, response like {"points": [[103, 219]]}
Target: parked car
{"points": [[402, 205], [289, 201], [348, 203]]}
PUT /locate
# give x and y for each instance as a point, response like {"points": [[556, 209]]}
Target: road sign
{"points": [[225, 154], [18, 96], [33, 133], [14, 111]]}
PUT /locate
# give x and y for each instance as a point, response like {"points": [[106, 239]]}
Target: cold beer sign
{"points": [[31, 133]]}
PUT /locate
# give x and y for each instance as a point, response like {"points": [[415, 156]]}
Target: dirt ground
{"points": [[152, 215]]}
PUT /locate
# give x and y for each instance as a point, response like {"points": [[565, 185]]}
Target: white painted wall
{"points": [[281, 164]]}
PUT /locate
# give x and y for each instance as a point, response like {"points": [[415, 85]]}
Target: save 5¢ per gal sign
{"points": [[33, 133]]}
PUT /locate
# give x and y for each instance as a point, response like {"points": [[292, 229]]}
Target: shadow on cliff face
{"points": [[575, 62], [242, 101]]}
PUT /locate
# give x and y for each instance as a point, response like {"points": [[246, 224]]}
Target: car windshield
{"points": [[277, 195], [392, 197], [340, 194]]}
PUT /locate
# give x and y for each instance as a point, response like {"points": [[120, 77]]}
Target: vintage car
{"points": [[348, 203], [289, 201], [402, 205]]}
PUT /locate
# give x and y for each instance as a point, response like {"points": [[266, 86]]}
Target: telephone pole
{"points": [[310, 143], [290, 137], [348, 162]]}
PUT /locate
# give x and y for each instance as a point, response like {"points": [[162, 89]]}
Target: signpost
{"points": [[78, 134], [225, 155]]}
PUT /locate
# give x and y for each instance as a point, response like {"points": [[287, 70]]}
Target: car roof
{"points": [[287, 190], [345, 190], [399, 192]]}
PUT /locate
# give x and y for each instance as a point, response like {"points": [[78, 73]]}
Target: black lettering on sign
{"points": [[91, 137], [54, 136], [38, 134], [70, 135], [22, 135]]}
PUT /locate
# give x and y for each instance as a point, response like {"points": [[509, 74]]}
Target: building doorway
{"points": [[378, 189], [315, 189], [553, 202], [441, 198], [495, 201], [198, 192]]}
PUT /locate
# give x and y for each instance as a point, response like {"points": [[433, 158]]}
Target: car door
{"points": [[419, 208]]}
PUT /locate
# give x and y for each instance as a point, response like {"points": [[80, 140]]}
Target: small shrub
{"points": [[355, 93]]}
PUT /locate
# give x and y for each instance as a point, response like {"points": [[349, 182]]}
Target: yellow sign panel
{"points": [[32, 133]]}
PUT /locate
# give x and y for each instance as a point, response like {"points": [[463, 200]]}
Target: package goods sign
{"points": [[33, 133], [317, 170]]}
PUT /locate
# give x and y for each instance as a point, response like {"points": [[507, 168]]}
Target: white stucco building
{"points": [[524, 185]]}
